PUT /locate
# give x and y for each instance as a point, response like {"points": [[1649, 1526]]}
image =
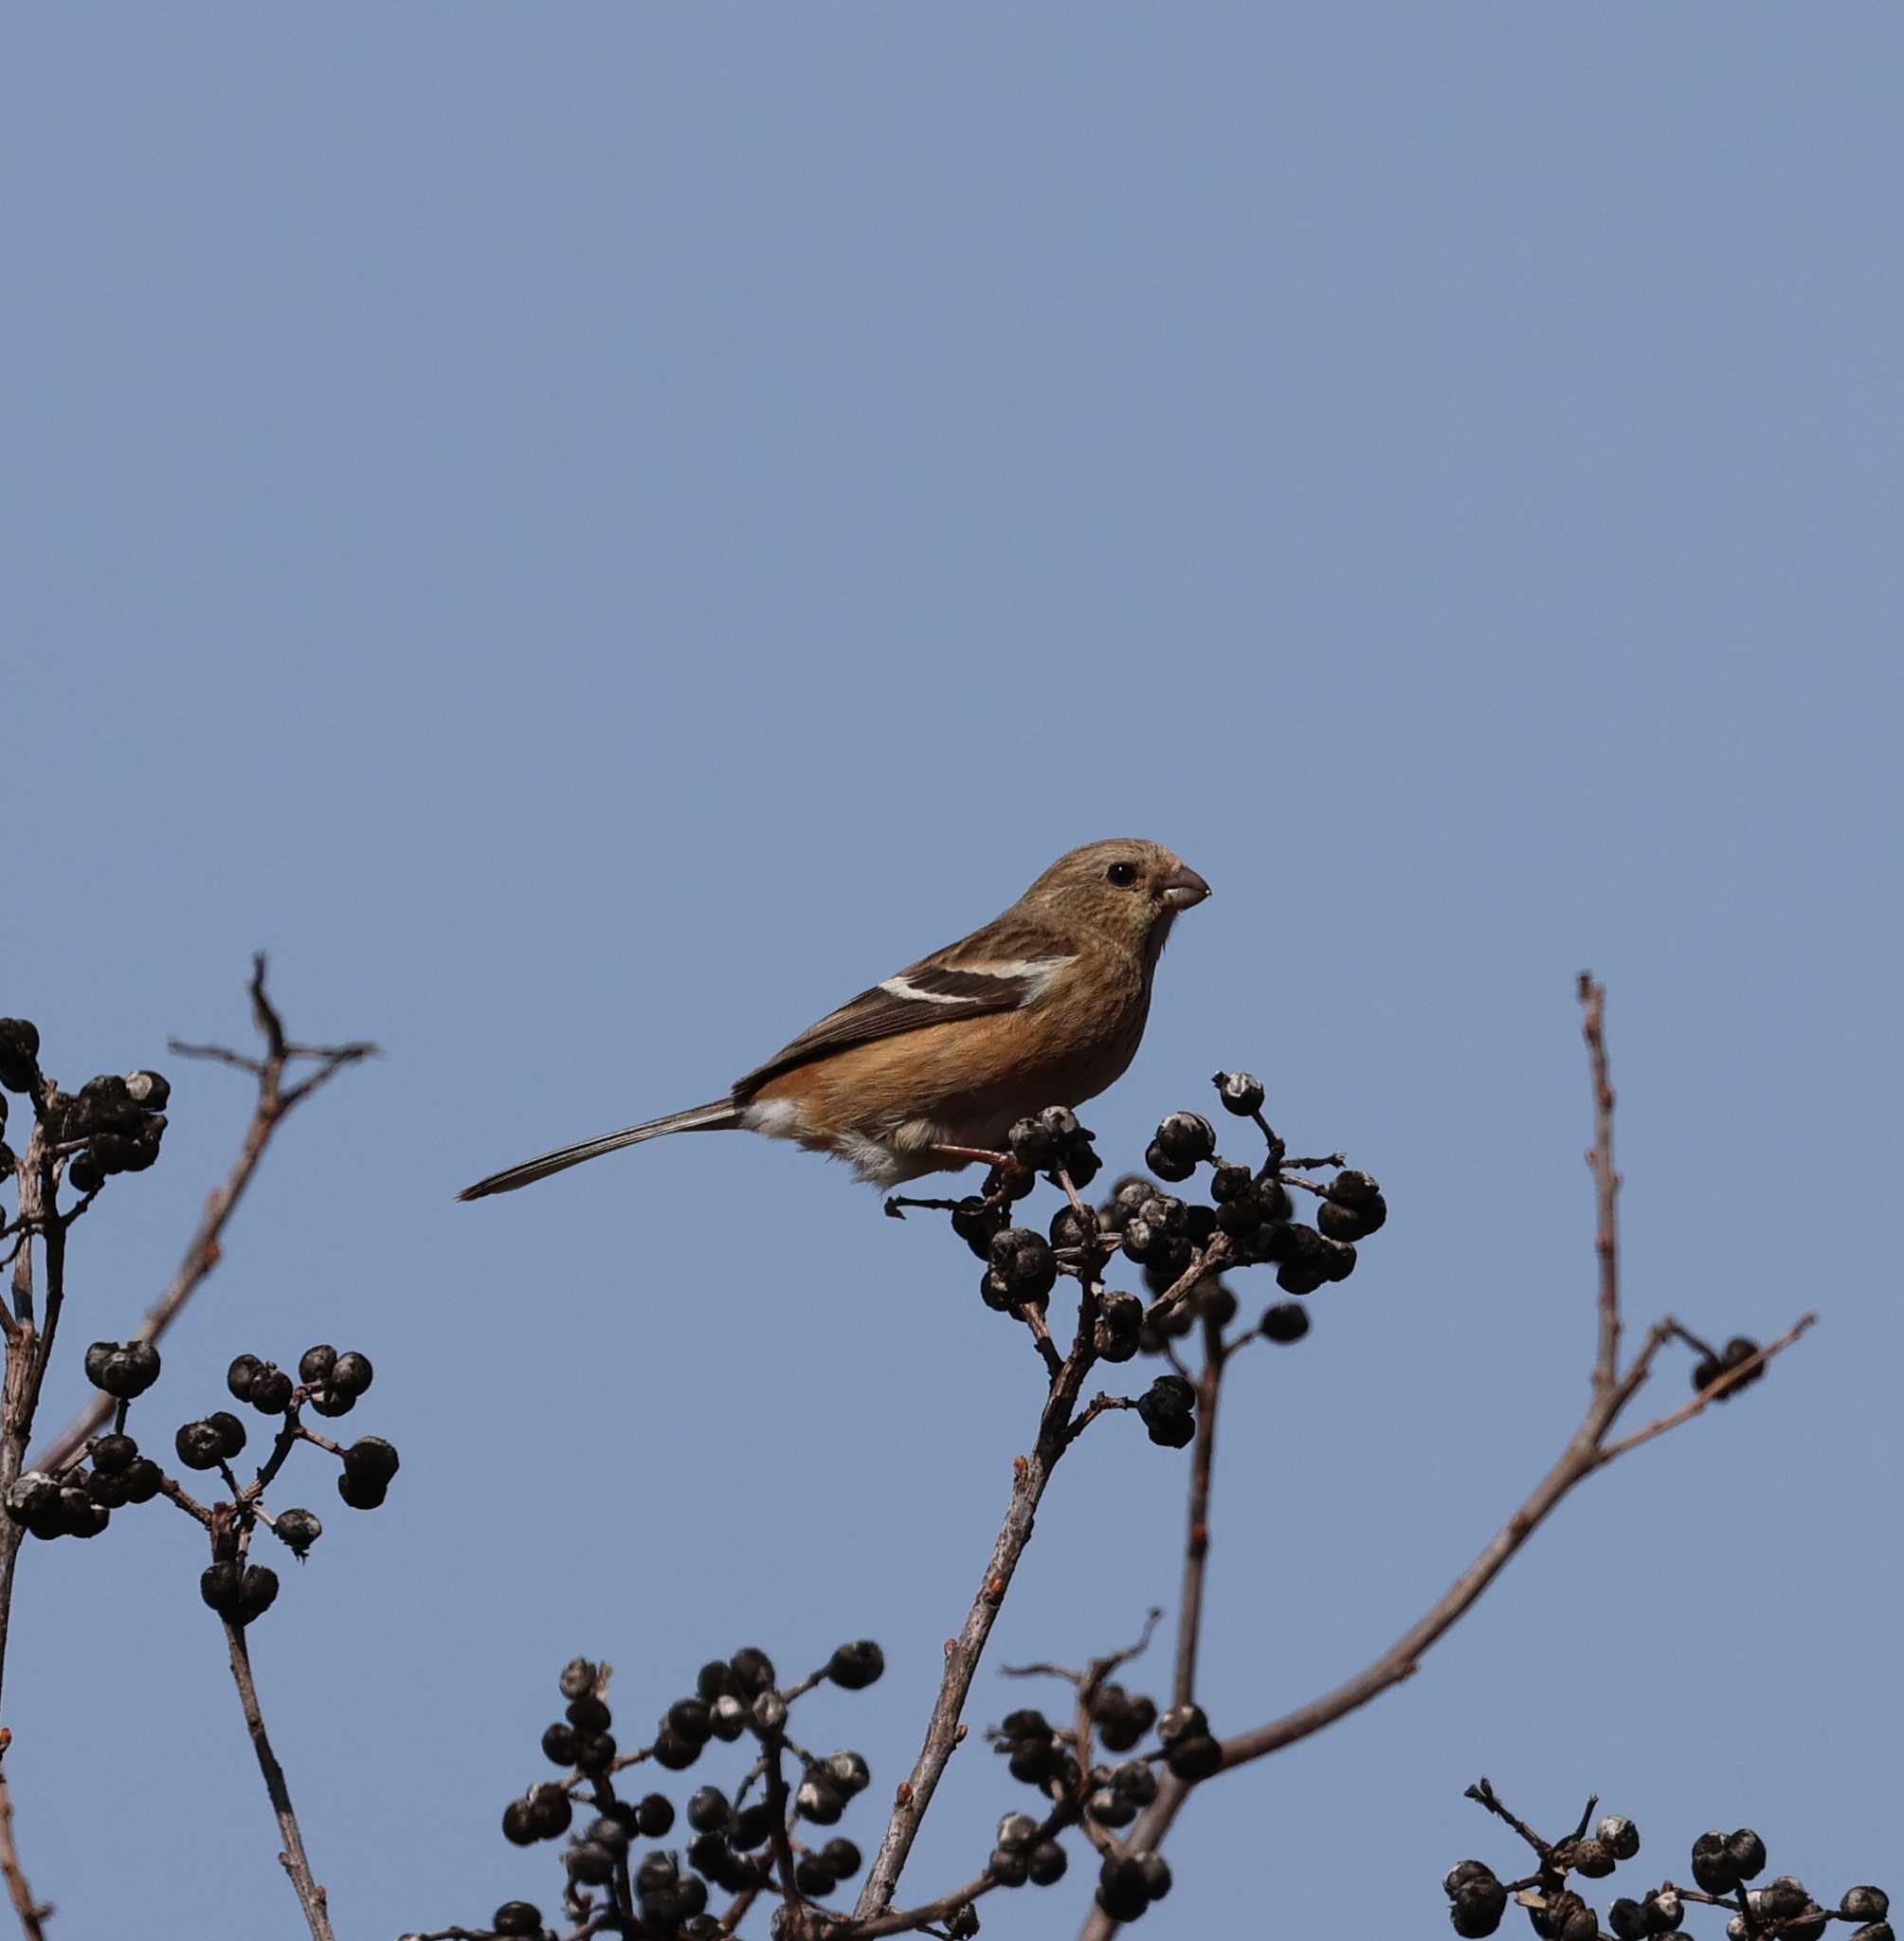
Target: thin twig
{"points": [[32, 1912], [295, 1861], [1197, 1529], [205, 1249], [1030, 1473], [1606, 1180]]}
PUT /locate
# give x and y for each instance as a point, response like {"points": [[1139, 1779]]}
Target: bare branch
{"points": [[311, 1896], [32, 1912]]}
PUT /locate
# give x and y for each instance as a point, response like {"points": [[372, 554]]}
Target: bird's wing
{"points": [[1002, 968]]}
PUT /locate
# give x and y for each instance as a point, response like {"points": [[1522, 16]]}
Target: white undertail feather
{"points": [[716, 1116]]}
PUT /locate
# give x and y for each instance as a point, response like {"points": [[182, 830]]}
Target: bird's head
{"points": [[1127, 891]]}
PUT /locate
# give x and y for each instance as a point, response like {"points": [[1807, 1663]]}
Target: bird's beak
{"points": [[1184, 888]]}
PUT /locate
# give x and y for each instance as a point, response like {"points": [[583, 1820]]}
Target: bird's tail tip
{"points": [[717, 1115]]}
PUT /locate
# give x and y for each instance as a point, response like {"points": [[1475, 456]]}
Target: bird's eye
{"points": [[1122, 874]]}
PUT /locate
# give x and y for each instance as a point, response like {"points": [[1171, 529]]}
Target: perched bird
{"points": [[924, 1073]]}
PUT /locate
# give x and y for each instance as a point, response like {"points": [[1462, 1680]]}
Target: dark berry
{"points": [[1017, 1830], [1156, 1874], [1023, 1266], [518, 1824], [1864, 1904], [578, 1675], [1335, 1260], [589, 1862], [369, 1459], [707, 1810], [1619, 1836], [298, 1529], [559, 1743], [819, 1801], [329, 1401], [855, 1666], [1240, 1092], [595, 1751], [848, 1771], [656, 1814], [361, 1492], [315, 1364], [1045, 1863], [1122, 1890], [842, 1857], [1195, 1758], [1160, 1163], [1713, 1864], [241, 1374], [142, 1480], [113, 1455], [1187, 1136], [199, 1445], [975, 1221], [1747, 1853], [351, 1374], [674, 1754], [517, 1918], [1008, 1867], [588, 1713], [256, 1592], [271, 1391], [219, 1585], [1285, 1322], [550, 1809], [230, 1432], [1590, 1859]]}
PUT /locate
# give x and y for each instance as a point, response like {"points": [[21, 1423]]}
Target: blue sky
{"points": [[594, 535]]}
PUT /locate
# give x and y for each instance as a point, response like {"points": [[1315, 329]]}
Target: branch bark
{"points": [[294, 1860]]}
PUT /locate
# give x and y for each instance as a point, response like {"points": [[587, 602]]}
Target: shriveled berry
{"points": [[199, 1445], [1187, 1136], [589, 1862], [1240, 1092], [1023, 1264], [1620, 1836], [1016, 1830], [578, 1675], [1590, 1859], [297, 1529]]}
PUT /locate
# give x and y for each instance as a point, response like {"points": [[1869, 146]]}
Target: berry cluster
{"points": [[1721, 1865], [79, 1500], [110, 1125], [1250, 1219], [746, 1841], [1105, 1797]]}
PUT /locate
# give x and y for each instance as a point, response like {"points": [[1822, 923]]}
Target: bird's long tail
{"points": [[714, 1117]]}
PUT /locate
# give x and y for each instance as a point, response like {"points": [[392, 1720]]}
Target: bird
{"points": [[926, 1071]]}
